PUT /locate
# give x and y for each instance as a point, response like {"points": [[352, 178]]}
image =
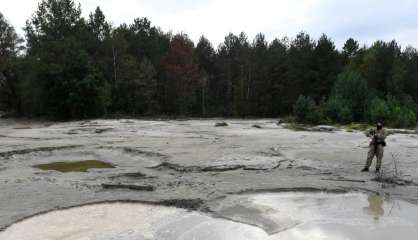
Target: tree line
{"points": [[73, 67]]}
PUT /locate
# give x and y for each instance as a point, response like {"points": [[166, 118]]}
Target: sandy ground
{"points": [[189, 164]]}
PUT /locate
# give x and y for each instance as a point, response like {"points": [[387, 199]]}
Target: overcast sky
{"points": [[364, 20]]}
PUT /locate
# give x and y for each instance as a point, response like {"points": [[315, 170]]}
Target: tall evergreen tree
{"points": [[300, 73], [326, 66], [350, 48], [181, 75], [377, 64], [259, 88], [71, 86], [9, 48], [410, 59], [227, 58], [99, 45], [278, 72], [206, 58]]}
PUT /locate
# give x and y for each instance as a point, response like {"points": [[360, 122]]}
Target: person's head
{"points": [[379, 125]]}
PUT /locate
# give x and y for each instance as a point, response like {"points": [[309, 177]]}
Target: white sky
{"points": [[364, 20]]}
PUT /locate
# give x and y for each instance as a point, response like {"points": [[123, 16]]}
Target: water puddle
{"points": [[284, 216], [79, 166], [294, 216], [127, 221]]}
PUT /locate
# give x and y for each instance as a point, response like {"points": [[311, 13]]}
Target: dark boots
{"points": [[366, 169]]}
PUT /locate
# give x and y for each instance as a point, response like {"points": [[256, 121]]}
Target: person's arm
{"points": [[370, 133]]}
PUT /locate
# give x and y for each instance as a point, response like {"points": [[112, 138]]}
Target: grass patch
{"points": [[358, 126], [80, 166], [221, 124], [296, 126]]}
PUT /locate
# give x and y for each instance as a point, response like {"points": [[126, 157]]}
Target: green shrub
{"points": [[405, 118], [306, 111], [402, 113], [378, 110], [394, 107], [338, 110], [352, 87], [392, 111], [332, 107], [300, 108], [359, 126], [314, 115], [345, 115], [416, 110]]}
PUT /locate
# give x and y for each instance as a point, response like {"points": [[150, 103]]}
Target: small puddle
{"points": [[80, 166], [284, 216]]}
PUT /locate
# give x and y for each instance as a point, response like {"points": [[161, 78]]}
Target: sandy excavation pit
{"points": [[269, 216], [227, 172]]}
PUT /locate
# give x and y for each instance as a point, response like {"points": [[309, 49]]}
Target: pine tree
{"points": [[182, 76], [71, 85], [9, 48]]}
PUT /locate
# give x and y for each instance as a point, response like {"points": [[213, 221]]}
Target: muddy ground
{"points": [[190, 164]]}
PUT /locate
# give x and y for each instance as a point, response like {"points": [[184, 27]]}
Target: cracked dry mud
{"points": [[187, 164]]}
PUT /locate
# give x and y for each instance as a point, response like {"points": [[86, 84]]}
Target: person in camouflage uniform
{"points": [[376, 147]]}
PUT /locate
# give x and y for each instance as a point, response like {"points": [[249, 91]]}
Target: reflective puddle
{"points": [[284, 216], [293, 216], [79, 166]]}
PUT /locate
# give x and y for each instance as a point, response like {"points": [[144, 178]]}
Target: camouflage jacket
{"points": [[379, 136]]}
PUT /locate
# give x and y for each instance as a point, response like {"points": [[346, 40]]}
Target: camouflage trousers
{"points": [[375, 151]]}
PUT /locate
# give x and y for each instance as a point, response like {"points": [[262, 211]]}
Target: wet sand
{"points": [[189, 164], [273, 216]]}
